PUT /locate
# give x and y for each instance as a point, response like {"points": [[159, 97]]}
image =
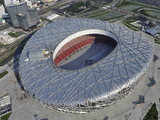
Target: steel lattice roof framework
{"points": [[116, 71]]}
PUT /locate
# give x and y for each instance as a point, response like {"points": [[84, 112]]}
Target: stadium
{"points": [[80, 65]]}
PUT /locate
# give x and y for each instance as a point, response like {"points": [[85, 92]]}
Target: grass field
{"points": [[92, 9], [140, 8], [128, 5], [157, 40], [131, 26], [102, 14], [153, 13], [3, 74], [15, 34], [128, 22], [5, 117], [133, 5], [80, 7], [152, 113]]}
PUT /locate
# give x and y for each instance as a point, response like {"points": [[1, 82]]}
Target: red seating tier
{"points": [[72, 49]]}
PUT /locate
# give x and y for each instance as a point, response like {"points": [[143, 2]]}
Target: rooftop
{"points": [[56, 86]]}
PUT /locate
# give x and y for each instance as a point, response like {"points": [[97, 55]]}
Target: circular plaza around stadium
{"points": [[79, 65]]}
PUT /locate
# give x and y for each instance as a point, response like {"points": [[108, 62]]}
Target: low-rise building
{"points": [[47, 1], [2, 12], [9, 36], [153, 30], [5, 104], [136, 23], [52, 17], [10, 2]]}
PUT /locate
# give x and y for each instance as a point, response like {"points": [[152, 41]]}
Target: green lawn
{"points": [[80, 7], [152, 113], [3, 74], [134, 6], [5, 117], [151, 13], [131, 26], [130, 3], [90, 13], [104, 15], [128, 22], [157, 41], [15, 34], [97, 14]]}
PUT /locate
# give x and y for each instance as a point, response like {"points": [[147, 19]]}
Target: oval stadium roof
{"points": [[108, 76]]}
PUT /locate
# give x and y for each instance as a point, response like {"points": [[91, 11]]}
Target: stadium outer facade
{"points": [[89, 88]]}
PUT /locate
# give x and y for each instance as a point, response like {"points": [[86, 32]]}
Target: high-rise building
{"points": [[2, 12], [22, 16]]}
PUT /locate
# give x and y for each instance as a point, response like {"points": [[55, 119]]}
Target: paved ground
{"points": [[26, 108]]}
